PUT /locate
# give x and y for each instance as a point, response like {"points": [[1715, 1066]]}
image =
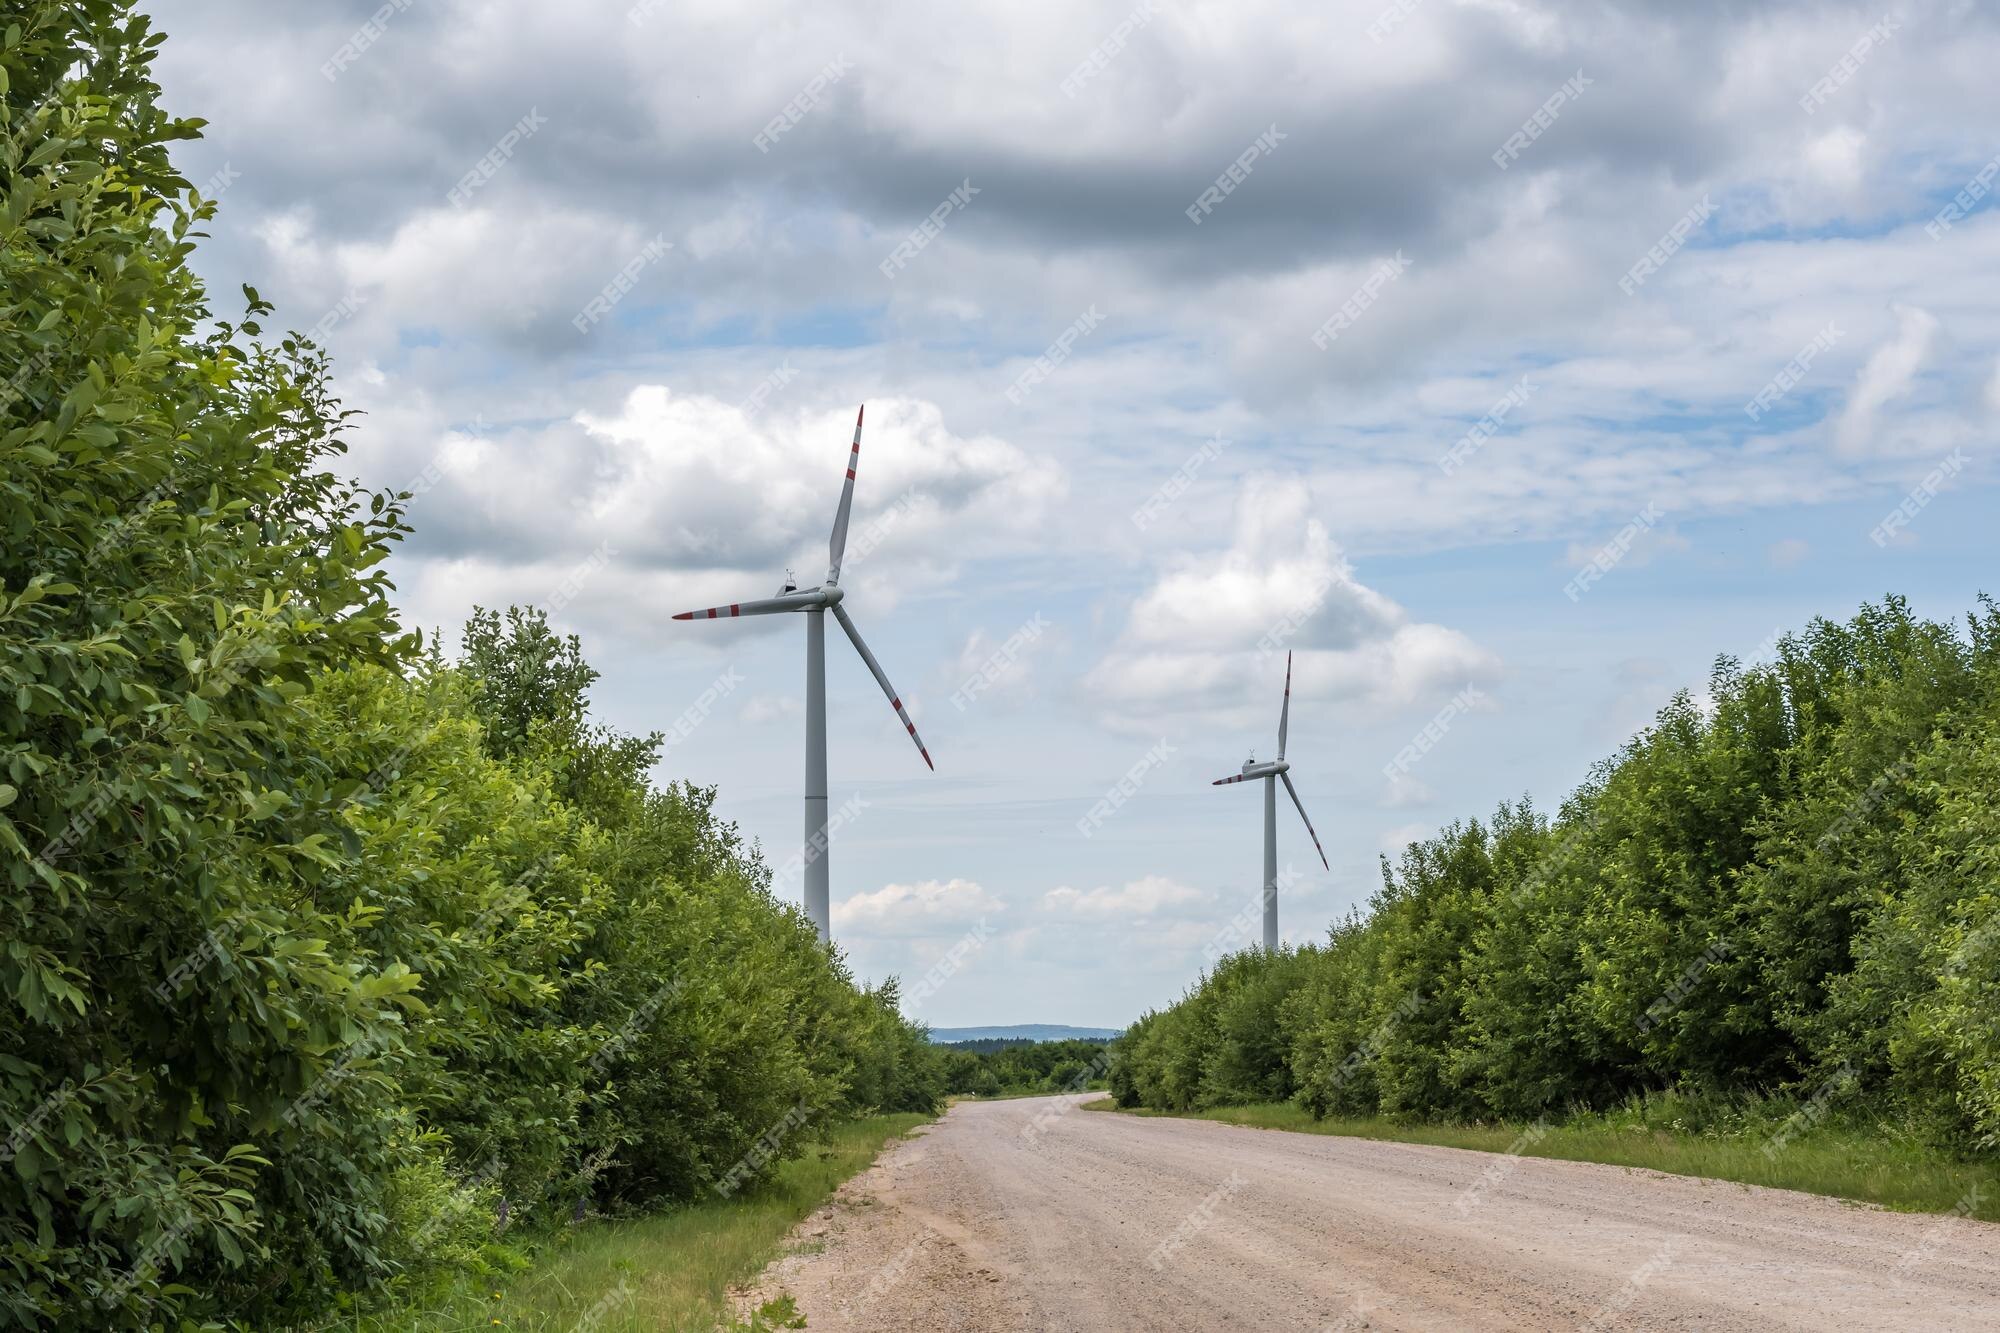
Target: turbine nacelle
{"points": [[823, 598]]}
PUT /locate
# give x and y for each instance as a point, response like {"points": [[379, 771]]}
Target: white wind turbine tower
{"points": [[1271, 773], [816, 602]]}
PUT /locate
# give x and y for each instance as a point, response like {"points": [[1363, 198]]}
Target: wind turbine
{"points": [[816, 602], [1271, 772]]}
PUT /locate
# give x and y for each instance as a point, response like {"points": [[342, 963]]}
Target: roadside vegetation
{"points": [[332, 971], [1770, 925], [670, 1272]]}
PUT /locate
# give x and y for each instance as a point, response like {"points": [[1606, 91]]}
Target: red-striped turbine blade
{"points": [[882, 679], [763, 606], [1285, 714], [836, 546], [1302, 815]]}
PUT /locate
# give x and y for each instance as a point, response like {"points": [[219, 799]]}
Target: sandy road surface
{"points": [[1032, 1215]]}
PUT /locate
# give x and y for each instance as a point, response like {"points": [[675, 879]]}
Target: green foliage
{"points": [[1789, 887], [1007, 1066], [679, 1270], [323, 963]]}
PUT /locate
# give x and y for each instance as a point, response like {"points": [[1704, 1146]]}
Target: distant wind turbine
{"points": [[815, 602], [1271, 773]]}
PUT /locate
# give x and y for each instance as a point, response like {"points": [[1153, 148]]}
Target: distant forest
{"points": [[998, 1066]]}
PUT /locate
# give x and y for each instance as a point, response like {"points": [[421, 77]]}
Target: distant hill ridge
{"points": [[1024, 1032]]}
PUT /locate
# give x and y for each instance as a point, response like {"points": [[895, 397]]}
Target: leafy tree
{"points": [[178, 565], [532, 693]]}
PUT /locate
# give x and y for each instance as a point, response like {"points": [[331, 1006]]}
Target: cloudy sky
{"points": [[1505, 360]]}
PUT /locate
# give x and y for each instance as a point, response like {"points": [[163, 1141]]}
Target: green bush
{"points": [[1788, 886], [328, 968]]}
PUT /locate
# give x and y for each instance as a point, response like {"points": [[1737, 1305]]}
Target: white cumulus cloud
{"points": [[1209, 636], [1139, 897], [930, 907]]}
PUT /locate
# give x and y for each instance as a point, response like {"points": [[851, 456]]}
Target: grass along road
{"points": [[1882, 1168], [665, 1274]]}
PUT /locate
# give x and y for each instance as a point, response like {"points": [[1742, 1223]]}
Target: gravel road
{"points": [[1033, 1214]]}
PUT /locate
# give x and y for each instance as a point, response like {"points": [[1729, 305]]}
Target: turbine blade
{"points": [[1302, 815], [1239, 777], [763, 606], [1285, 714], [895, 700], [836, 546]]}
